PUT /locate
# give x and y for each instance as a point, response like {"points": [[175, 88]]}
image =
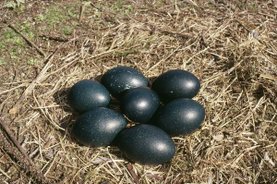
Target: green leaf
{"points": [[2, 62], [20, 1], [10, 4]]}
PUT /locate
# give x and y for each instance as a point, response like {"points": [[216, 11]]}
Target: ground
{"points": [[230, 46]]}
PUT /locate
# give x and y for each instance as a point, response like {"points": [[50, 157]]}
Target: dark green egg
{"points": [[139, 104], [180, 117], [146, 144], [88, 94], [175, 84], [98, 127], [121, 78]]}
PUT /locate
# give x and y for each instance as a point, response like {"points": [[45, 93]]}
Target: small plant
{"points": [[14, 4], [32, 61], [14, 55], [2, 62], [53, 16], [2, 45], [67, 30], [119, 6], [27, 29], [11, 38]]}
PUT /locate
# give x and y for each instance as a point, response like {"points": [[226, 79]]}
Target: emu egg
{"points": [[180, 117], [175, 84], [88, 94], [121, 78], [98, 127], [146, 144], [140, 104]]}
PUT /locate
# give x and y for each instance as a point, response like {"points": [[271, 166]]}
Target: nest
{"points": [[230, 47]]}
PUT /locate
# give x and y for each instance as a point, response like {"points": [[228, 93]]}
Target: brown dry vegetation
{"points": [[231, 47]]}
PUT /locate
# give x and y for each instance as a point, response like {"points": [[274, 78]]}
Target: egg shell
{"points": [[88, 94], [121, 78], [175, 84], [180, 117], [146, 144], [140, 104], [98, 127]]}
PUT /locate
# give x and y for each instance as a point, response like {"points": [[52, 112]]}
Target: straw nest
{"points": [[230, 47]]}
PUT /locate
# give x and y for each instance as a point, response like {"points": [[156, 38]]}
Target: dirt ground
{"points": [[47, 46]]}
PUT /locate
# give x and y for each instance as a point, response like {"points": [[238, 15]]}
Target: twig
{"points": [[26, 162], [164, 31], [14, 141], [164, 59], [81, 12], [241, 24], [4, 173], [54, 38], [27, 40], [133, 174], [171, 33], [40, 77], [30, 88], [11, 89], [102, 9]]}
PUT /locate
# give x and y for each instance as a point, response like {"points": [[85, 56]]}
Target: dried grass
{"points": [[231, 47]]}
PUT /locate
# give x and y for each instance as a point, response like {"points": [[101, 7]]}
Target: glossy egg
{"points": [[180, 117], [88, 94], [175, 84], [146, 144], [121, 78], [98, 127], [140, 104]]}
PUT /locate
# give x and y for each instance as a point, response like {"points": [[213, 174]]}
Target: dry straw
{"points": [[231, 47]]}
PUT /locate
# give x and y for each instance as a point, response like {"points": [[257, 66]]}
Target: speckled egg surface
{"points": [[180, 117], [98, 127], [146, 144], [175, 84], [121, 78], [154, 113], [88, 94], [140, 104]]}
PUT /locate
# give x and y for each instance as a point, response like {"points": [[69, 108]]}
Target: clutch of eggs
{"points": [[159, 111]]}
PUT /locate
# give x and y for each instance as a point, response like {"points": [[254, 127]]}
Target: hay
{"points": [[231, 47]]}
